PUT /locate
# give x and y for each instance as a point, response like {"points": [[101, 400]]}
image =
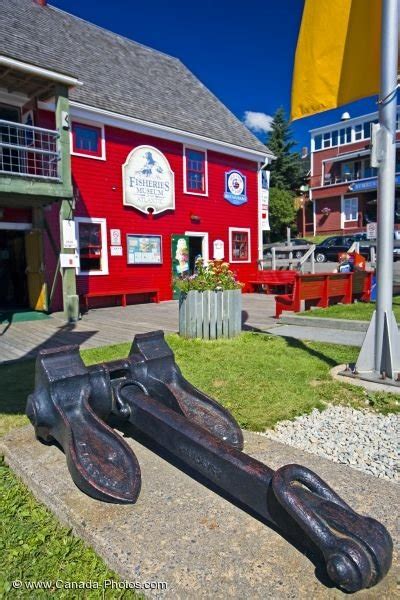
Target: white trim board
{"points": [[8, 225], [82, 111], [39, 71]]}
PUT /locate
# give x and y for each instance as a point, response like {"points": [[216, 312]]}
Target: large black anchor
{"points": [[71, 403]]}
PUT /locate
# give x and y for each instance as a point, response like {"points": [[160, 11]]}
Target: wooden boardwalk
{"points": [[105, 326]]}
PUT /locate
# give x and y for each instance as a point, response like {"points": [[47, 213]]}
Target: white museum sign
{"points": [[148, 181]]}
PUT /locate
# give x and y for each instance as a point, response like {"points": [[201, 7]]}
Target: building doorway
{"points": [[195, 251], [185, 250], [198, 247], [13, 285]]}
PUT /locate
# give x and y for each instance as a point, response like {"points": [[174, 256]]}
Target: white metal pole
{"points": [[386, 171], [380, 352]]}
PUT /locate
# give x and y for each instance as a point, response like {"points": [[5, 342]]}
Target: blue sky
{"points": [[242, 51]]}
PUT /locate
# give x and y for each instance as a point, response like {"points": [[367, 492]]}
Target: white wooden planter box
{"points": [[210, 315]]}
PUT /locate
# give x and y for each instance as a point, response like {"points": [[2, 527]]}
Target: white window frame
{"points": [[359, 130], [104, 244], [326, 140], [196, 149], [102, 139], [231, 230], [343, 212], [204, 245]]}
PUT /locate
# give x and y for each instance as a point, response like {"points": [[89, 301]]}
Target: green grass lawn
{"points": [[317, 239], [361, 311], [35, 547], [261, 379]]}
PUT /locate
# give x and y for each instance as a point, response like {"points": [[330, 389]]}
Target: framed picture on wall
{"points": [[144, 249]]}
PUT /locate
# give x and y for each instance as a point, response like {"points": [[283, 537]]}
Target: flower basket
{"points": [[210, 302], [210, 314]]}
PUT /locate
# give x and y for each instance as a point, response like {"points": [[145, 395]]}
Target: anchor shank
{"points": [[243, 477]]}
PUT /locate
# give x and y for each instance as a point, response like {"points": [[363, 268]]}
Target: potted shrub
{"points": [[210, 302]]}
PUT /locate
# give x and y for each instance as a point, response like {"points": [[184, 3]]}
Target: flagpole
{"points": [[380, 353]]}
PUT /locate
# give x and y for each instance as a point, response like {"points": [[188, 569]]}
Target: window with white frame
{"points": [[239, 245], [326, 140], [358, 132], [87, 139], [350, 209], [91, 235], [195, 171]]}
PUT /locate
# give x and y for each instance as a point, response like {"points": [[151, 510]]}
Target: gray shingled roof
{"points": [[118, 74]]}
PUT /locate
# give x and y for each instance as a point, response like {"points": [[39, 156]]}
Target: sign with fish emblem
{"points": [[148, 182]]}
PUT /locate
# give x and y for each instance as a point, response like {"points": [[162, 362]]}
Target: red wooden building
{"points": [[161, 170], [343, 184]]}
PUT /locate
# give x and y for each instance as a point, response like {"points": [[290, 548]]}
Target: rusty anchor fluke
{"points": [[73, 403]]}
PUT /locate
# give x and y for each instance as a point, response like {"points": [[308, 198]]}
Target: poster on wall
{"points": [[115, 236], [235, 188], [144, 249], [264, 201], [219, 252], [69, 235], [148, 181], [116, 250]]}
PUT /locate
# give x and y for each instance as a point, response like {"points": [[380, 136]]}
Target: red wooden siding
{"points": [[98, 185]]}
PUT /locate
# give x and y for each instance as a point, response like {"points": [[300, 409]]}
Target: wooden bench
{"points": [[271, 279], [362, 285], [153, 293], [319, 289]]}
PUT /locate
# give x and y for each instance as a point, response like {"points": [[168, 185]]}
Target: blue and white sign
{"points": [[368, 184], [235, 188]]}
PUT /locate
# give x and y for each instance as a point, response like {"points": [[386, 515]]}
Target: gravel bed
{"points": [[361, 439]]}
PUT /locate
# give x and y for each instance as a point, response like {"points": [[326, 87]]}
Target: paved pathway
{"points": [[104, 326], [319, 334]]}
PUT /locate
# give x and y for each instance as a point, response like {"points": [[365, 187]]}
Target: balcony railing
{"points": [[28, 151], [338, 179]]}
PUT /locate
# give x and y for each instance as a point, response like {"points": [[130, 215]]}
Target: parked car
{"points": [[296, 253], [331, 247]]}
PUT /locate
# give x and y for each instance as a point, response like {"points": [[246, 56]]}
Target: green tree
{"points": [[282, 212], [287, 170]]}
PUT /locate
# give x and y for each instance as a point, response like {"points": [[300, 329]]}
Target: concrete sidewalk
{"points": [[183, 533], [105, 326]]}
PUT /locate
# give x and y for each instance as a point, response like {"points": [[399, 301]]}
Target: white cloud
{"points": [[257, 121]]}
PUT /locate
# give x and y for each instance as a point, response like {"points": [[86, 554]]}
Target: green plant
{"points": [[282, 212], [214, 275]]}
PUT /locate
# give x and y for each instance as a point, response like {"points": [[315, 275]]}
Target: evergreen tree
{"points": [[282, 212], [287, 170]]}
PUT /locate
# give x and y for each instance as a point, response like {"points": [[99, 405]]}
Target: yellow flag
{"points": [[337, 56]]}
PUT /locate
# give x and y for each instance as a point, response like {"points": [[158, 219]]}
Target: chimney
{"points": [[304, 152], [41, 2]]}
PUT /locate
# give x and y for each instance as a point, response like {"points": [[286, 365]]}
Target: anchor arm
{"points": [[100, 462], [164, 381]]}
